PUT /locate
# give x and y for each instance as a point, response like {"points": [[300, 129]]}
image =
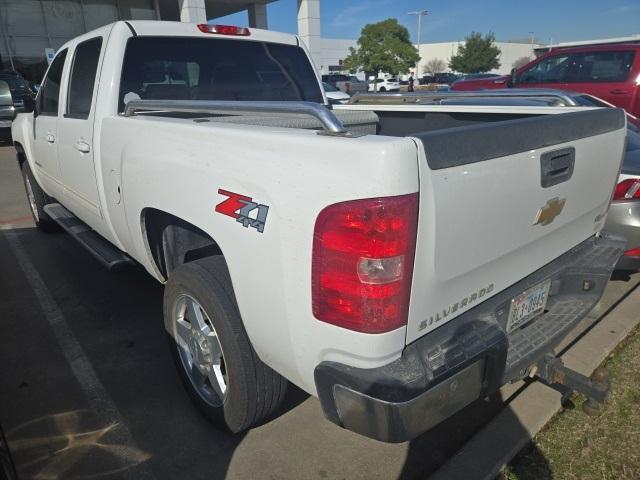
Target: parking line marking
{"points": [[99, 400]]}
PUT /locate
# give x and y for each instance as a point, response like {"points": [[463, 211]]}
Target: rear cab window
{"points": [[192, 68]]}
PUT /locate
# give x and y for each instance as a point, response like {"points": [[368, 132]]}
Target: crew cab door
{"points": [[75, 131], [45, 128]]}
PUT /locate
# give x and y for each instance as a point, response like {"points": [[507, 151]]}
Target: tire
{"points": [[37, 200], [247, 390], [383, 89]]}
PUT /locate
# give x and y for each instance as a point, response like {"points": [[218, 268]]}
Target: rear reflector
{"points": [[363, 252], [627, 189], [224, 29], [634, 252]]}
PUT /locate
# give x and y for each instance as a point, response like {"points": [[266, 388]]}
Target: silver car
{"points": [[7, 110], [624, 213]]}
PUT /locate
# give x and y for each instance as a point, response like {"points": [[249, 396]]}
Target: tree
{"points": [[382, 47], [478, 54], [521, 61], [433, 66]]}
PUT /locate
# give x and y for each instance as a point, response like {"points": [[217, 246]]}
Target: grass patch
{"points": [[575, 446]]}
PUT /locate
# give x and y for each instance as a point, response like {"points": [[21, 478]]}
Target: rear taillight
{"points": [[627, 189], [224, 29], [363, 252], [634, 252]]}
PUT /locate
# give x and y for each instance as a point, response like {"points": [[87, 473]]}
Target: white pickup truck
{"points": [[396, 261]]}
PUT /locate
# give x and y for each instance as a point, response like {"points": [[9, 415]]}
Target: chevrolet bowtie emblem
{"points": [[550, 211]]}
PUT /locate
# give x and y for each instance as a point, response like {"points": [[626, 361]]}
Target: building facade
{"points": [[31, 28], [509, 53], [334, 50]]}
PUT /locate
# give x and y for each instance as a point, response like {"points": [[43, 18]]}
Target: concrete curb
{"points": [[503, 437]]}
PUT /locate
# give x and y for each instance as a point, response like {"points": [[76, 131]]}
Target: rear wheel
{"points": [[37, 200], [382, 89], [212, 352]]}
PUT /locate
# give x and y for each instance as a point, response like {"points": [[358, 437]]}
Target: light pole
{"points": [[419, 14]]}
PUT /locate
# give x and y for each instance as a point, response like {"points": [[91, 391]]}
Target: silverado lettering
{"points": [[453, 308]]}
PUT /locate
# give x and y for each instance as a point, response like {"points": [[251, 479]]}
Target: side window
{"points": [[605, 66], [549, 70], [50, 91], [83, 77]]}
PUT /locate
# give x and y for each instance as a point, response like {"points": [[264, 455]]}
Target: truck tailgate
{"points": [[499, 201]]}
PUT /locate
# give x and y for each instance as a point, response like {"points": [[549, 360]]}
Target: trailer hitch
{"points": [[552, 372]]}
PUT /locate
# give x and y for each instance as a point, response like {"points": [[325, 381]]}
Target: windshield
{"points": [[189, 68], [329, 88]]}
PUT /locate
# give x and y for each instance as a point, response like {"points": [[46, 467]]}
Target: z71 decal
{"points": [[240, 206]]}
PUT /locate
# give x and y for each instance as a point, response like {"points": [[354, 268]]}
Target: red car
{"points": [[609, 72]]}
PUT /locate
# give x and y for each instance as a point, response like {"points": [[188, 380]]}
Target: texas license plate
{"points": [[527, 305]]}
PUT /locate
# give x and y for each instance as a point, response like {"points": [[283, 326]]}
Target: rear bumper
{"points": [[468, 358]]}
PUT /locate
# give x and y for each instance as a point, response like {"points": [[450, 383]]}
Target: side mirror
{"points": [[514, 78]]}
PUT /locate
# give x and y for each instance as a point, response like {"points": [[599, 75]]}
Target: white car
{"points": [[392, 261], [385, 85], [334, 95]]}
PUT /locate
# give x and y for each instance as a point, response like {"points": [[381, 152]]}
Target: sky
{"points": [[550, 21]]}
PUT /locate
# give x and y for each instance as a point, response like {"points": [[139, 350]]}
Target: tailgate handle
{"points": [[556, 166]]}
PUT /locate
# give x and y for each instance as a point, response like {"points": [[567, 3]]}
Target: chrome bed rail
{"points": [[330, 124], [442, 98]]}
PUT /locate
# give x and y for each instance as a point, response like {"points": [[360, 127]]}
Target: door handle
{"points": [[82, 146], [618, 91], [51, 138]]}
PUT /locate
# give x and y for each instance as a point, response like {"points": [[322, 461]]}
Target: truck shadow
{"points": [[430, 451], [5, 138], [117, 319]]}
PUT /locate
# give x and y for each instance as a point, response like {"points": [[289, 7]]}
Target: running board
{"points": [[109, 255]]}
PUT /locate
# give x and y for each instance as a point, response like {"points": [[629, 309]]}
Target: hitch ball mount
{"points": [[553, 373]]}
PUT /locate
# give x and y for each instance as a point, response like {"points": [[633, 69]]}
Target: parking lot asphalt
{"points": [[88, 389]]}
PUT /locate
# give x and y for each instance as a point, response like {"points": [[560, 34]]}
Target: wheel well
{"points": [[173, 242]]}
